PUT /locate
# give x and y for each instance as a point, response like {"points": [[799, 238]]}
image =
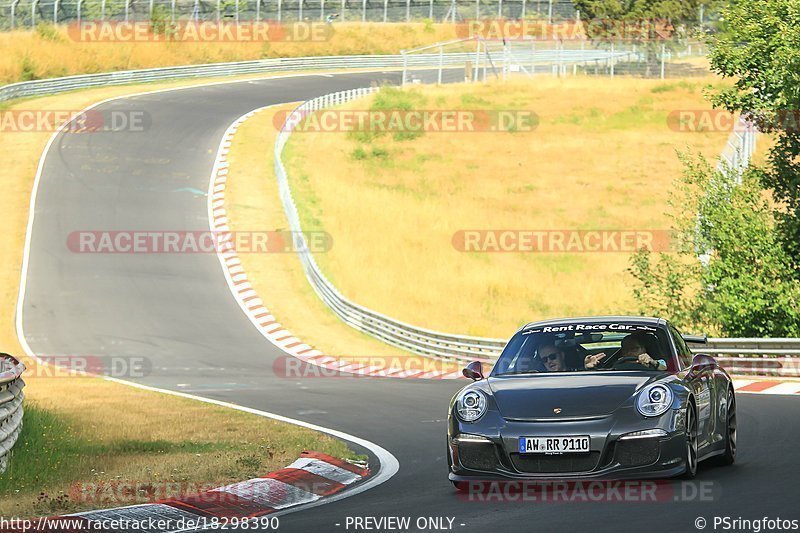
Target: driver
{"points": [[633, 347]]}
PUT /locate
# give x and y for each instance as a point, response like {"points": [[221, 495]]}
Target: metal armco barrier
{"points": [[405, 336], [737, 354], [11, 397], [266, 66], [758, 357]]}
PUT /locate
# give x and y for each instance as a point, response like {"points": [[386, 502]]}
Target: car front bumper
{"points": [[614, 454]]}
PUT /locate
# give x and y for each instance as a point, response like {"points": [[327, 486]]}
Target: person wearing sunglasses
{"points": [[553, 358]]}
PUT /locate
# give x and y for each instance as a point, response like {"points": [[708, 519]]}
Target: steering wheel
{"points": [[615, 360]]}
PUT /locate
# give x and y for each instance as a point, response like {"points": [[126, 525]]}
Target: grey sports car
{"points": [[602, 397]]}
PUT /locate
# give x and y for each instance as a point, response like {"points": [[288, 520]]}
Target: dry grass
{"points": [[253, 204], [82, 430], [601, 158], [90, 430], [37, 54]]}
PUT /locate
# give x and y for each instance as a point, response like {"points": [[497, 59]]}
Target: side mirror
{"points": [[473, 371], [696, 339], [702, 362]]}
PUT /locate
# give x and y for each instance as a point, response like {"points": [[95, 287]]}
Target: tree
{"points": [[745, 286], [647, 23], [759, 48]]}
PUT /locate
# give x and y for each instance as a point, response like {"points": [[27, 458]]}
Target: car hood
{"points": [[576, 395]]}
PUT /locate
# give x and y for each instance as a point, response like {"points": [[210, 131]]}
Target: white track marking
{"points": [[389, 464]]}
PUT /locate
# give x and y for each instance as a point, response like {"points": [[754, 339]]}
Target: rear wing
{"points": [[696, 339]]}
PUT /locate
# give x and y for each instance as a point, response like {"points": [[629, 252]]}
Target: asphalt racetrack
{"points": [[176, 310]]}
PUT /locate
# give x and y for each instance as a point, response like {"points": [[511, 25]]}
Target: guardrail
{"points": [[779, 357], [266, 66], [406, 336], [11, 398]]}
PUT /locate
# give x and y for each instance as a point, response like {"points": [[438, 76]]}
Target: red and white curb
{"points": [[312, 477], [765, 386], [259, 315], [253, 305]]}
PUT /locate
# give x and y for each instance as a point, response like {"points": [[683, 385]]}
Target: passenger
{"points": [[633, 347]]}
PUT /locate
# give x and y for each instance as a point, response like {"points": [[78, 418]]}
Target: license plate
{"points": [[554, 445]]}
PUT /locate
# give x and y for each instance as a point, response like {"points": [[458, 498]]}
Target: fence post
{"points": [[300, 11], [280, 10], [408, 10], [344, 9], [321, 9], [663, 57], [477, 9], [14, 8], [363, 10], [612, 59], [33, 13], [405, 68], [477, 60], [441, 64], [385, 9]]}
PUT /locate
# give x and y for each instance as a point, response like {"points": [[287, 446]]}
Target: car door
{"points": [[702, 384]]}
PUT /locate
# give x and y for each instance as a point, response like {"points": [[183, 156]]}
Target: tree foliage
{"points": [[759, 48], [744, 286], [650, 24]]}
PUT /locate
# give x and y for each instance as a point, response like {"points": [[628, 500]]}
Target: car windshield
{"points": [[585, 347]]}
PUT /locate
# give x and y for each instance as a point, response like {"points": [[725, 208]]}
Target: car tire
{"points": [[729, 457], [691, 444]]}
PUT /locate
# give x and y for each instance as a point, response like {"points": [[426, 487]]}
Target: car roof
{"points": [[648, 320]]}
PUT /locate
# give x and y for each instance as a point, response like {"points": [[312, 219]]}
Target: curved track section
{"points": [[177, 310]]}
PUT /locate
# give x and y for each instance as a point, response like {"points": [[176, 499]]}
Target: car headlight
{"points": [[654, 400], [470, 405]]}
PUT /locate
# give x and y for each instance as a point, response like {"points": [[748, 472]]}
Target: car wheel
{"points": [[691, 444], [729, 456]]}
